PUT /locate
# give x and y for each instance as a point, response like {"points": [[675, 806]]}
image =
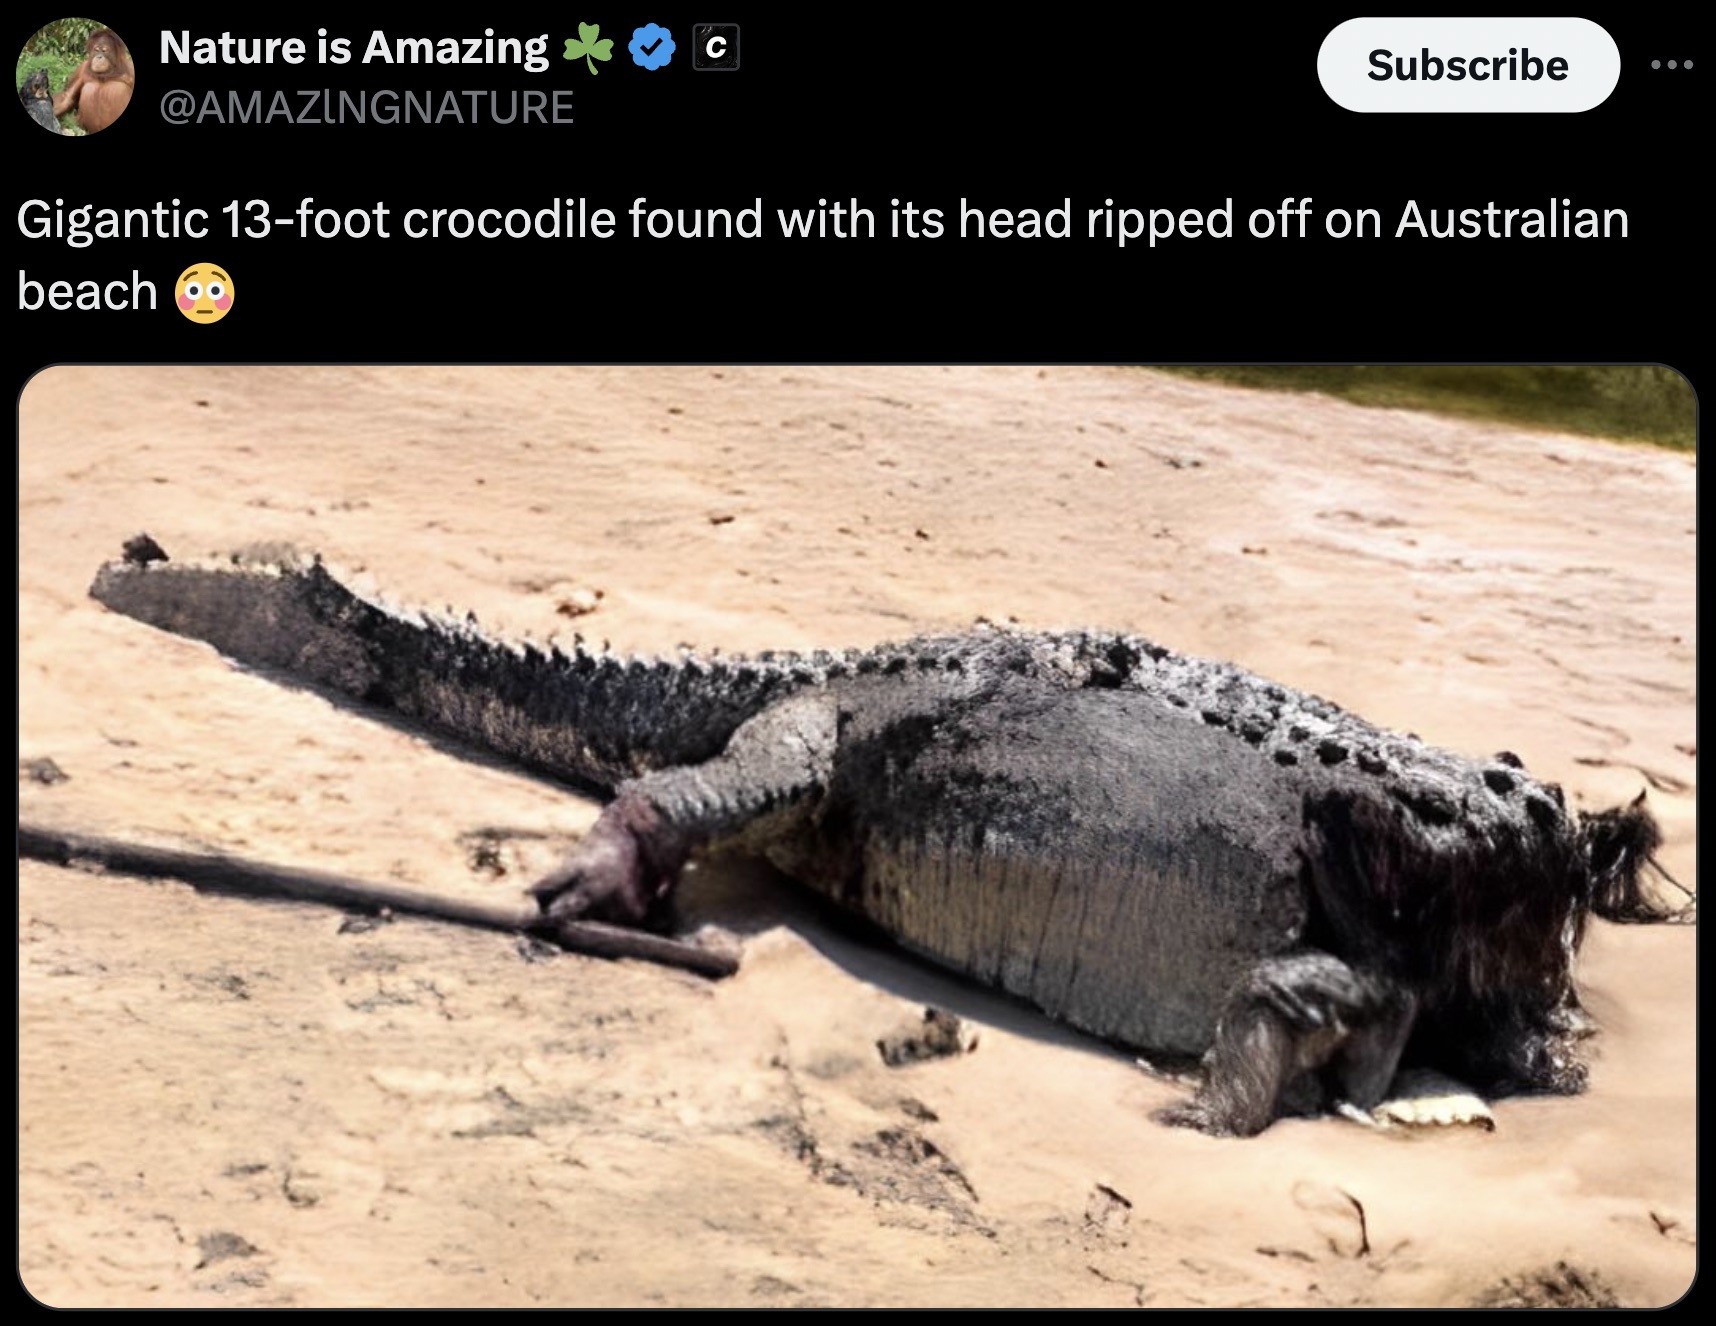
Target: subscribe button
{"points": [[1427, 65]]}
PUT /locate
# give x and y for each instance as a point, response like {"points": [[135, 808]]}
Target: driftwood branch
{"points": [[214, 872]]}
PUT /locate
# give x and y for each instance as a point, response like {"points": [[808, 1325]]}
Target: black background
{"points": [[1180, 110]]}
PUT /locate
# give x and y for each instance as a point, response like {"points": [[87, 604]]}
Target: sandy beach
{"points": [[230, 1102]]}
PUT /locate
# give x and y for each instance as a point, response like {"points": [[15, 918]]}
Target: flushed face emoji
{"points": [[204, 294]]}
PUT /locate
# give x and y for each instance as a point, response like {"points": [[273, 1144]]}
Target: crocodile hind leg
{"points": [[625, 869], [1300, 1024]]}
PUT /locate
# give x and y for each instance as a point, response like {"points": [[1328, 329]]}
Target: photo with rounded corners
{"points": [[1304, 756]]}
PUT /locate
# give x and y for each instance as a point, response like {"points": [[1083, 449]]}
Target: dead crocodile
{"points": [[1164, 851]]}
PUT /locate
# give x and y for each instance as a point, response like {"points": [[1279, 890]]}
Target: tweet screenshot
{"points": [[768, 657]]}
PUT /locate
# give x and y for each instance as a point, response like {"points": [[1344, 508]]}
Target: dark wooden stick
{"points": [[218, 873]]}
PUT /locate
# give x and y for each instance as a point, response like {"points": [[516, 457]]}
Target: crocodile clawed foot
{"points": [[1200, 1115]]}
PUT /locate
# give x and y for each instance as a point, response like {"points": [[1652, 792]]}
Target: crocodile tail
{"points": [[587, 718]]}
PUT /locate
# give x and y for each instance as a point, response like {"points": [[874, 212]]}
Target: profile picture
{"points": [[75, 76]]}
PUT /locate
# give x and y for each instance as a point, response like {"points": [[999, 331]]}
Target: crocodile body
{"points": [[1164, 851]]}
